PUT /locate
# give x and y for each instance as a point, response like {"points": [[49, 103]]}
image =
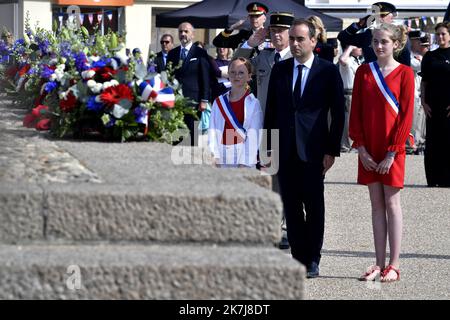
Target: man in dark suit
{"points": [[358, 34], [229, 38], [161, 57], [193, 74], [302, 91]]}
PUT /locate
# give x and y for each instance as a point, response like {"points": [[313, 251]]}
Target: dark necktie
{"points": [[183, 54], [277, 57], [298, 86]]}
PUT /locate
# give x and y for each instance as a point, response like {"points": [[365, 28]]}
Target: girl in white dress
{"points": [[236, 120]]}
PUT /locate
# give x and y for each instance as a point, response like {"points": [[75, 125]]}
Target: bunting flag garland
{"points": [[99, 17], [109, 15], [432, 20], [91, 18], [81, 18], [417, 22], [60, 19], [424, 20]]}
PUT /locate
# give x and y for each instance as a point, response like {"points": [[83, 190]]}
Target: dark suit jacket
{"points": [[159, 61], [231, 41], [363, 40], [324, 51], [194, 74], [307, 123]]}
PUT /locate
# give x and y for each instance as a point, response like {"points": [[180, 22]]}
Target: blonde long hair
{"points": [[321, 32], [397, 33]]}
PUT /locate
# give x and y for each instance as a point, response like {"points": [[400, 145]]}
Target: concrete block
{"points": [[21, 216], [127, 213], [148, 272]]}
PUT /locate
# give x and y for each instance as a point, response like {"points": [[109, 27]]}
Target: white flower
{"points": [[97, 88], [94, 58], [91, 83], [59, 74], [53, 61], [63, 95], [88, 74], [52, 77]]}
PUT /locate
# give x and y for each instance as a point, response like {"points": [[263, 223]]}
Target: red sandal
{"points": [[386, 271], [371, 274]]}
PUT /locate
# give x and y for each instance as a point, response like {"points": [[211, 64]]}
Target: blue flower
{"points": [[140, 114], [46, 72], [50, 86], [32, 71], [43, 44], [65, 49], [94, 105], [19, 46], [80, 61], [151, 68], [100, 63]]}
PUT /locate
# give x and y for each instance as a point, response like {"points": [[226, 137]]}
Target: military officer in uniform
{"points": [[280, 22], [232, 38], [360, 35]]}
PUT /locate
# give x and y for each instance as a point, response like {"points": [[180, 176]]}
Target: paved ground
{"points": [[348, 245]]}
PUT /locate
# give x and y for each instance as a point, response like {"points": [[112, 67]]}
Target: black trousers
{"points": [[302, 193], [437, 149], [193, 130]]}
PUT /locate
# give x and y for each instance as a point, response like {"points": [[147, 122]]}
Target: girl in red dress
{"points": [[380, 121]]}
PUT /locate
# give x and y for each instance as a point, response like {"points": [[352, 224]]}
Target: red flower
{"points": [[38, 111], [113, 95], [69, 103], [43, 124], [24, 69], [106, 73], [29, 121]]}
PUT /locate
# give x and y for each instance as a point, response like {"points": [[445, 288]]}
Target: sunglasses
{"points": [[165, 42]]}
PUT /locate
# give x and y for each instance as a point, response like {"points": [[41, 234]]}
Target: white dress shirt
{"points": [[305, 72]]}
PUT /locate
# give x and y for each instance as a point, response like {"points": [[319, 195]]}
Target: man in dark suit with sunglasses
{"points": [[161, 57]]}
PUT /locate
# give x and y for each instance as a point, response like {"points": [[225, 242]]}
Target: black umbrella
{"points": [[223, 13]]}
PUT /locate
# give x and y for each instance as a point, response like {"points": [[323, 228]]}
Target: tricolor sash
{"points": [[229, 116], [387, 93]]}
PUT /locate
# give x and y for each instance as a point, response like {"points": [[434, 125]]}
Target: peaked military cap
{"points": [[281, 19], [256, 9], [386, 8]]}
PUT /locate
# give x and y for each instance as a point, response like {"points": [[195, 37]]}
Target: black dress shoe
{"points": [[313, 270], [284, 243]]}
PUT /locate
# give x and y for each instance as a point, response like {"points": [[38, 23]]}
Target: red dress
{"points": [[376, 126]]}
